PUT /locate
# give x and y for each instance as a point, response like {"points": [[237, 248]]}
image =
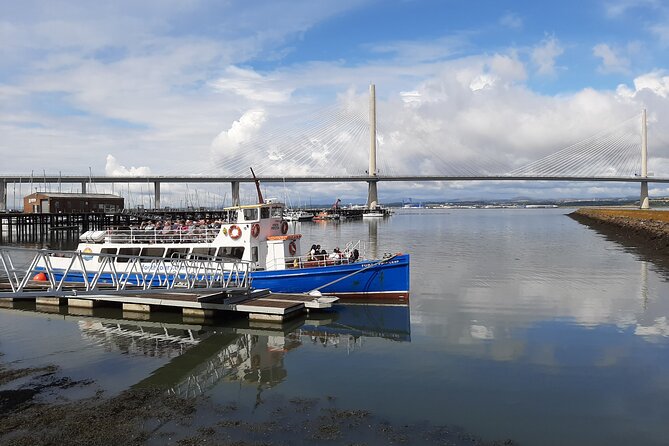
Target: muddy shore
{"points": [[36, 410], [648, 229]]}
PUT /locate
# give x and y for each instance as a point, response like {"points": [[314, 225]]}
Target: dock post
{"points": [[372, 192], [235, 193], [3, 195], [644, 202], [156, 193]]}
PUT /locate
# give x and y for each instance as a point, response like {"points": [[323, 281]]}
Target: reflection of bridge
{"points": [[327, 147]]}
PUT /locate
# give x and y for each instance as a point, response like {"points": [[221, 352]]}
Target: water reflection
{"points": [[197, 357]]}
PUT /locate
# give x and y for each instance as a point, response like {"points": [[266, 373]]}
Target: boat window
{"points": [[264, 212], [254, 254], [176, 253], [202, 253], [127, 252], [232, 216], [153, 252], [251, 214], [111, 251], [277, 212], [235, 252]]}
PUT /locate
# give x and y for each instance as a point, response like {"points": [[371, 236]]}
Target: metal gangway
{"points": [[84, 273]]}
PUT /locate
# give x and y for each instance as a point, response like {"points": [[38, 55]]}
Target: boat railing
{"points": [[360, 245], [78, 275], [152, 236]]}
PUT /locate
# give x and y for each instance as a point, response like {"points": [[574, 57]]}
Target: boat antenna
{"points": [[260, 200]]}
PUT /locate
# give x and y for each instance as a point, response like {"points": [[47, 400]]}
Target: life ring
{"points": [[255, 230], [292, 248], [284, 227], [235, 232]]}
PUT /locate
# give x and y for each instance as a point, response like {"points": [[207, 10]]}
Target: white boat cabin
{"points": [[253, 233]]}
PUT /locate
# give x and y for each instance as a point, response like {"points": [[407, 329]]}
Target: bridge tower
{"points": [[372, 193], [644, 201]]}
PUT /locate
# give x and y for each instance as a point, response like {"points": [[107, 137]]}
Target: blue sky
{"points": [[173, 86]]}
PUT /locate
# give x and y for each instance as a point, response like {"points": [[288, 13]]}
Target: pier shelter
{"points": [[66, 203]]}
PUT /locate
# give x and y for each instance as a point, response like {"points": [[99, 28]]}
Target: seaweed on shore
{"points": [[139, 416]]}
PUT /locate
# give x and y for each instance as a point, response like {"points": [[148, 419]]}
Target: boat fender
{"points": [[284, 227], [292, 248], [235, 232], [40, 277], [255, 230]]}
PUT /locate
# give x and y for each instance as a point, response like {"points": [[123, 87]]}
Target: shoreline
{"points": [[648, 228]]}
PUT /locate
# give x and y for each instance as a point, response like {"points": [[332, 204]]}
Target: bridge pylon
{"points": [[372, 192], [644, 202]]}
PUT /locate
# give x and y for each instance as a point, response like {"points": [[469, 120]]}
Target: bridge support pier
{"points": [[235, 193], [156, 195], [83, 187], [644, 202], [3, 196], [372, 195]]}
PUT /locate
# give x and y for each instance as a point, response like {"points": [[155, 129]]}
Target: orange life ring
{"points": [[255, 230], [292, 248], [235, 232], [284, 227]]}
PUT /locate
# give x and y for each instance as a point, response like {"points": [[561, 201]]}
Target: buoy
{"points": [[40, 277]]}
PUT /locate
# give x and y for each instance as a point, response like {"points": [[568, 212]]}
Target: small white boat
{"points": [[292, 215], [373, 214]]}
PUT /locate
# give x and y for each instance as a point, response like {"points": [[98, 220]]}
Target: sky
{"points": [[191, 87]]}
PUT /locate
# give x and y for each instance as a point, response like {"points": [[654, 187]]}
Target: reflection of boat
{"points": [[295, 215], [196, 358], [321, 216], [254, 234], [370, 320]]}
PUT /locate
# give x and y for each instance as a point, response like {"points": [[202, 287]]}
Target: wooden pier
{"points": [[20, 226]]}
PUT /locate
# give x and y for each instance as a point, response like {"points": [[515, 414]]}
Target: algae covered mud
{"points": [[523, 325], [649, 228]]}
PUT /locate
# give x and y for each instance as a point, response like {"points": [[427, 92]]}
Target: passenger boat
{"points": [[256, 234]]}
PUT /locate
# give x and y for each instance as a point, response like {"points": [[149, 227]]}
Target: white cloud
{"points": [[661, 32], [544, 55], [245, 128], [511, 20], [251, 85], [611, 60], [617, 8], [656, 82], [114, 169]]}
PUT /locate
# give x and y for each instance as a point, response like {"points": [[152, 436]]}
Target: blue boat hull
{"points": [[387, 280], [372, 280]]}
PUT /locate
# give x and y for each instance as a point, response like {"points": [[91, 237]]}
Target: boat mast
{"points": [[260, 200]]}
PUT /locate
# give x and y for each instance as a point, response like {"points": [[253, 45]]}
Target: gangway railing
{"points": [[75, 273]]}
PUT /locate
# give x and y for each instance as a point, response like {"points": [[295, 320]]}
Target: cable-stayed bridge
{"points": [[329, 146]]}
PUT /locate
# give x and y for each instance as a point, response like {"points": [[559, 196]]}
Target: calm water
{"points": [[523, 324]]}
